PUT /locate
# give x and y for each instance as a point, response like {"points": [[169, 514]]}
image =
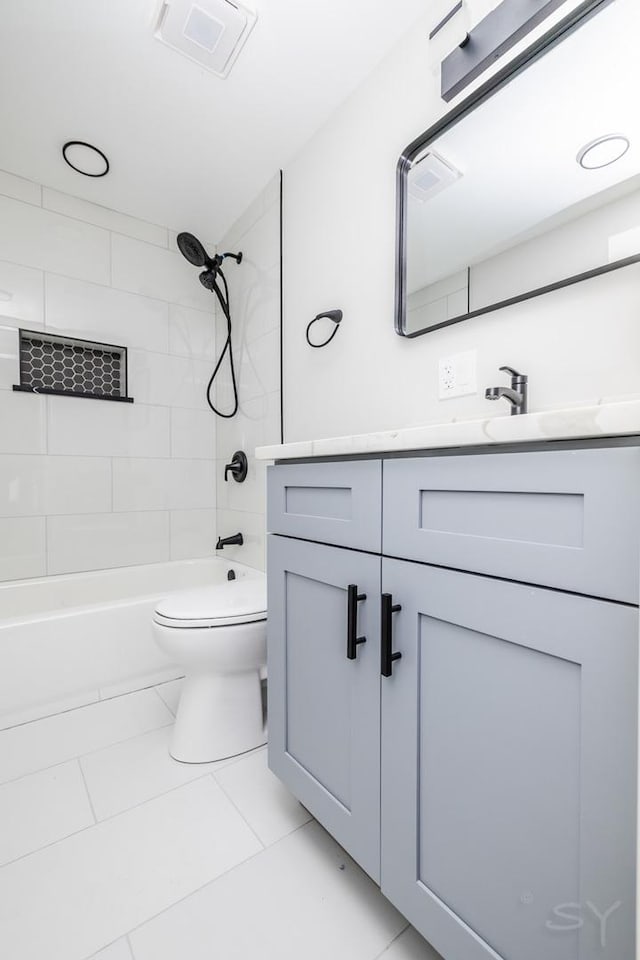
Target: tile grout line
{"points": [[236, 807], [226, 873], [136, 806], [380, 956], [86, 787], [130, 946], [88, 753], [98, 823], [155, 688]]}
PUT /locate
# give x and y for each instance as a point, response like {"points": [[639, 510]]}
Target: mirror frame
{"points": [[552, 38]]}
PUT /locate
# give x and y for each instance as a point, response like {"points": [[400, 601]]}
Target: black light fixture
{"points": [[86, 159]]}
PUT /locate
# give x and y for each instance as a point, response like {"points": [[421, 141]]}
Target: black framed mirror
{"points": [[531, 183]]}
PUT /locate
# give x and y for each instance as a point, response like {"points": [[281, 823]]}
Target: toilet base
{"points": [[218, 716]]}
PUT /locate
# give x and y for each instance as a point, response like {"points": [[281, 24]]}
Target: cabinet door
{"points": [[324, 708], [509, 766]]}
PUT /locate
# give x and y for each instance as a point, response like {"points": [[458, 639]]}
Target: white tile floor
{"points": [[111, 850]]}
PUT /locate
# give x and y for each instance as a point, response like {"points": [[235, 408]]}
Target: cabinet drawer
{"points": [[568, 519], [336, 503]]}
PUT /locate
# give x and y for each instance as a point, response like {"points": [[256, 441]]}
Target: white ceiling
{"points": [[188, 150]]}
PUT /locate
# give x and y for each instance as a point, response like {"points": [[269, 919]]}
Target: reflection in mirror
{"points": [[535, 185]]}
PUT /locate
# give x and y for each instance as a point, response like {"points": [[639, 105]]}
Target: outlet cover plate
{"points": [[457, 375]]}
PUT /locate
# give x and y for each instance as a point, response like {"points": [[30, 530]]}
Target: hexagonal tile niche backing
{"points": [[69, 365]]}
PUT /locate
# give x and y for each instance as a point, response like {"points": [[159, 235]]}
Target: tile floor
{"points": [[111, 850]]}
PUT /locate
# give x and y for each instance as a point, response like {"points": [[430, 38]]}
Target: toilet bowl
{"points": [[218, 634]]}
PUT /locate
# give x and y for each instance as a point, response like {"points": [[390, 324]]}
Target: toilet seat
{"points": [[221, 605]]}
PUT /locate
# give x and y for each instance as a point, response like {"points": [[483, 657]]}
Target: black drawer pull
{"points": [[386, 645], [353, 598]]}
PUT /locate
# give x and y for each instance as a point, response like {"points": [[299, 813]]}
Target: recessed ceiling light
{"points": [[603, 151], [86, 159]]}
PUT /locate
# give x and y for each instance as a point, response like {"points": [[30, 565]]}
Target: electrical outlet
{"points": [[457, 375]]}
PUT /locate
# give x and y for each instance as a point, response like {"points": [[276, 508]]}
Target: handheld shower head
{"points": [[208, 279], [193, 251]]}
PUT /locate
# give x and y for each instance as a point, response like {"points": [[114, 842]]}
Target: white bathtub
{"points": [[71, 640]]}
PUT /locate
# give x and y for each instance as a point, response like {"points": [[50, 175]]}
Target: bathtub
{"points": [[67, 641]]}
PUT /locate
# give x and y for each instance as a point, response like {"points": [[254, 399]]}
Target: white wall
{"points": [[577, 345], [87, 484], [255, 304]]}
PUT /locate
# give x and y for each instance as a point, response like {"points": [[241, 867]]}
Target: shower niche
{"points": [[67, 366]]}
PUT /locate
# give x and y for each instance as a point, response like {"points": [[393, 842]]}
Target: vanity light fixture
{"points": [[603, 151], [86, 159]]}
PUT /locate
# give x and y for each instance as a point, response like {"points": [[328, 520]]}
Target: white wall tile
{"points": [[193, 534], [20, 189], [191, 332], [149, 484], [91, 888], [91, 311], [250, 495], [255, 299], [9, 357], [101, 428], [49, 241], [54, 485], [252, 527], [103, 217], [162, 274], [193, 484], [54, 740], [23, 423], [100, 541], [42, 808], [163, 379], [21, 295], [257, 422], [22, 548], [141, 484], [193, 433]]}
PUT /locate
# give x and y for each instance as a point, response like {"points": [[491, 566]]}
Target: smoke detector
{"points": [[211, 32], [431, 174]]}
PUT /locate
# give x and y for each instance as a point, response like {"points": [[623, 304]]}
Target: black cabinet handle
{"points": [[353, 597], [386, 645]]}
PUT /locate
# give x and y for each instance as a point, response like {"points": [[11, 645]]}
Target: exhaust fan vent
{"points": [[431, 174], [211, 32]]}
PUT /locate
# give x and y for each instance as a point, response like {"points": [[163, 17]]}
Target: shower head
{"points": [[191, 248], [208, 279]]}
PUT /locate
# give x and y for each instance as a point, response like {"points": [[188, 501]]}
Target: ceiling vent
{"points": [[211, 32], [431, 174]]}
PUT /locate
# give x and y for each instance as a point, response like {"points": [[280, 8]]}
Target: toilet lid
{"points": [[235, 601]]}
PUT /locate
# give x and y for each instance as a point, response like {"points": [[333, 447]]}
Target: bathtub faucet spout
{"points": [[235, 541]]}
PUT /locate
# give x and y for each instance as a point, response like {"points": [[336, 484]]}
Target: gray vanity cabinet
{"points": [[324, 707], [478, 756], [508, 767]]}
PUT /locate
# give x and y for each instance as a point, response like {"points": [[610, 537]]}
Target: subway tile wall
{"points": [[89, 484], [255, 305]]}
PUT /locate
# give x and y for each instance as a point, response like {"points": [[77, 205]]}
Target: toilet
{"points": [[218, 634]]}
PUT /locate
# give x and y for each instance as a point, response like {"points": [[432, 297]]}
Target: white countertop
{"points": [[606, 419]]}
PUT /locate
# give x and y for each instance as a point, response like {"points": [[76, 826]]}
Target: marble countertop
{"points": [[605, 419]]}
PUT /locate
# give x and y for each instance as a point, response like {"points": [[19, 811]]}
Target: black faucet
{"points": [[235, 541], [516, 394], [238, 467]]}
